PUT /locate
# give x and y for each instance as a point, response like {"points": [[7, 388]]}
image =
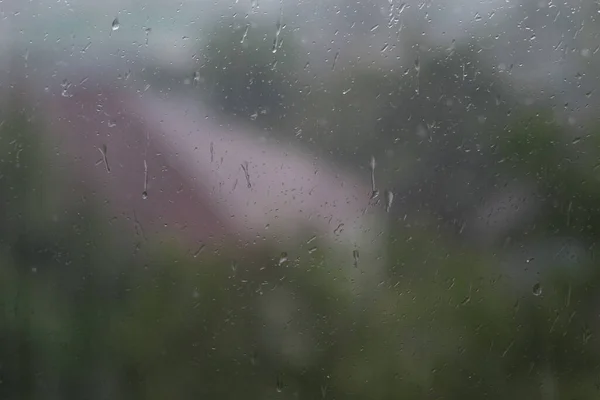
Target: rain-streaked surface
{"points": [[309, 199]]}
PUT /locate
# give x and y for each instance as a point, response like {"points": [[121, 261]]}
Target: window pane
{"points": [[299, 199]]}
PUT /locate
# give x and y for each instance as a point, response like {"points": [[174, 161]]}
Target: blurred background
{"points": [[311, 199]]}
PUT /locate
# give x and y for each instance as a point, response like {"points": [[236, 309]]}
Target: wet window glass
{"points": [[311, 199]]}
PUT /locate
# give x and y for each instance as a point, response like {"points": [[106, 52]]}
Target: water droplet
{"points": [[374, 191], [418, 71], [276, 41], [246, 170], [283, 258], [66, 85], [104, 151], [530, 259], [145, 192], [254, 358], [279, 384], [200, 250], [537, 289], [587, 335], [337, 55], [338, 230], [312, 250], [356, 257], [389, 199], [115, 24], [245, 35], [196, 78], [477, 17]]}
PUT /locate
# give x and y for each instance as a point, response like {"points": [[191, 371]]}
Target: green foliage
{"points": [[87, 316], [564, 169]]}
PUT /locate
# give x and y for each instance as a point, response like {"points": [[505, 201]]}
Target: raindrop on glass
{"points": [[245, 35], [199, 250], [115, 24], [66, 85], [374, 191], [279, 385], [389, 199], [374, 194], [283, 258], [335, 58], [276, 41], [537, 289]]}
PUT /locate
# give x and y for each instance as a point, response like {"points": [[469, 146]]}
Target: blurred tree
{"points": [[248, 69], [87, 316]]}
